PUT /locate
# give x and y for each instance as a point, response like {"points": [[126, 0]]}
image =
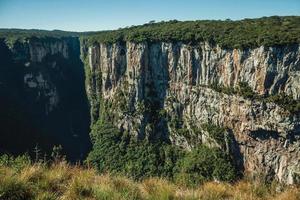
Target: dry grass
{"points": [[65, 182]]}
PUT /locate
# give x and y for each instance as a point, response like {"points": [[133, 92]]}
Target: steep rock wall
{"points": [[43, 101], [162, 90]]}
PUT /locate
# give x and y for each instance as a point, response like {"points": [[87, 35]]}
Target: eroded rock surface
{"points": [[162, 90]]}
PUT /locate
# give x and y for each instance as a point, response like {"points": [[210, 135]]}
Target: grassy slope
{"points": [[60, 180]]}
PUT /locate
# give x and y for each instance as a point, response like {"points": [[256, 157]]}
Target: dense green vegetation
{"points": [[204, 164], [266, 31], [5, 32], [215, 132], [243, 89], [21, 34], [118, 153], [286, 102]]}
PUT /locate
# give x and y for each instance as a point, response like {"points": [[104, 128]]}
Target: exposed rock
{"points": [[38, 50], [161, 90], [46, 90]]}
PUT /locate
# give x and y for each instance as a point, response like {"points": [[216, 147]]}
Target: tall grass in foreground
{"points": [[60, 180]]}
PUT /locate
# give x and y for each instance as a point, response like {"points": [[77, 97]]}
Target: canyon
{"points": [[54, 89], [43, 100]]}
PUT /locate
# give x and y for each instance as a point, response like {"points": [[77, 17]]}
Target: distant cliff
{"points": [[171, 90], [43, 101]]}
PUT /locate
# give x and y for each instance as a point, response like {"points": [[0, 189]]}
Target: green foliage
{"points": [[118, 153], [216, 132], [223, 89], [13, 35], [203, 164], [243, 90], [285, 101], [267, 31], [162, 113], [16, 163], [246, 91], [56, 153], [92, 79]]}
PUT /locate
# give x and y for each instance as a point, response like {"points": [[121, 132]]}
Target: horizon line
{"points": [[134, 25]]}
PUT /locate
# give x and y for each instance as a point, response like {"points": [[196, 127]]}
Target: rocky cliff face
{"points": [[43, 100], [163, 90]]}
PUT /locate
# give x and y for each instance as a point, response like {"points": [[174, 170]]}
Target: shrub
{"points": [[117, 152], [246, 91], [203, 164], [16, 163], [215, 132], [286, 102], [223, 89]]}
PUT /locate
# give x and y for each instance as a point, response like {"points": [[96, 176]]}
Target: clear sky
{"points": [[89, 15]]}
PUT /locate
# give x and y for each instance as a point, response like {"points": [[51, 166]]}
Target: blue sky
{"points": [[88, 15]]}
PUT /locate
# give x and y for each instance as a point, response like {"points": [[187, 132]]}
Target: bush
{"points": [[204, 164], [16, 163], [215, 132], [117, 152], [286, 102], [223, 89], [246, 91]]}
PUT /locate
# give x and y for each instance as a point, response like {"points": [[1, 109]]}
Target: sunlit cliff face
{"points": [[165, 91]]}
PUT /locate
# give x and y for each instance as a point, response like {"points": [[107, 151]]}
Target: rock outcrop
{"points": [[163, 91]]}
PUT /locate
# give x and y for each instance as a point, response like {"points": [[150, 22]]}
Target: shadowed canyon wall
{"points": [[43, 101]]}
